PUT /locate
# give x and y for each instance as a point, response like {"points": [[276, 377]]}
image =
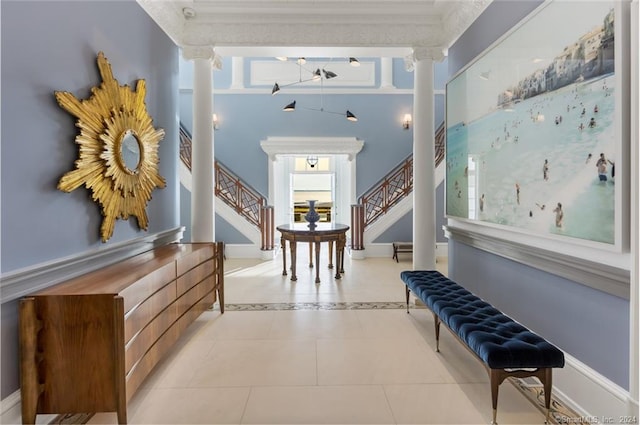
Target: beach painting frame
{"points": [[534, 137]]}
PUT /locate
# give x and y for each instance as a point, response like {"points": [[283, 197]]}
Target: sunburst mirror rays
{"points": [[118, 155]]}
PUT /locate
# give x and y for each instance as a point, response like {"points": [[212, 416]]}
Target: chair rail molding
{"points": [[18, 283], [597, 268]]}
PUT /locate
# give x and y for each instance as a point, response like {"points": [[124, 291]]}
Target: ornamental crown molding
{"points": [[334, 34], [373, 24], [458, 19]]}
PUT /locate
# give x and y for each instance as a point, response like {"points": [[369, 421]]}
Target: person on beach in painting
{"points": [[592, 123], [542, 207], [588, 158], [545, 170], [517, 193], [602, 168], [559, 214], [482, 203]]}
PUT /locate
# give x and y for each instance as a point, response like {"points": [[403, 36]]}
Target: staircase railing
{"points": [[238, 195], [392, 188], [229, 188]]}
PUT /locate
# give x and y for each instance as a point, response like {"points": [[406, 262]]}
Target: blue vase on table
{"points": [[312, 216]]}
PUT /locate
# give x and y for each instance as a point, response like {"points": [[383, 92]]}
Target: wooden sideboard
{"points": [[87, 344]]}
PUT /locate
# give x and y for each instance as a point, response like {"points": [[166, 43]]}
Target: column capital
{"points": [[437, 54], [198, 52], [203, 52]]}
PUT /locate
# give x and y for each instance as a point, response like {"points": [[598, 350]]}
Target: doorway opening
{"points": [[340, 154], [313, 179]]}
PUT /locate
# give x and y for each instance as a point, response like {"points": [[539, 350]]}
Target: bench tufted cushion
{"points": [[501, 342]]}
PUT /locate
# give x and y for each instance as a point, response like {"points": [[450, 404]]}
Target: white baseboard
{"points": [[243, 251], [376, 250], [590, 394]]}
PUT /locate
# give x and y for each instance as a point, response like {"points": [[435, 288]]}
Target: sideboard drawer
{"points": [[199, 254], [145, 287], [142, 314], [192, 296], [142, 341], [194, 276]]}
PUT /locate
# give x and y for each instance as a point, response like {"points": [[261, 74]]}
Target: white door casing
{"points": [[280, 151]]}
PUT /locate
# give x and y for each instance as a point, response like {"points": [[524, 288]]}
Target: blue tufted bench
{"points": [[506, 348]]}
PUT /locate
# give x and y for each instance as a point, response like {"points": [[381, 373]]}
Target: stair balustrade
{"points": [[229, 188], [389, 191]]}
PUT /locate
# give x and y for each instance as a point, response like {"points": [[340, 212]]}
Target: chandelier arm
{"points": [[295, 82], [322, 110]]}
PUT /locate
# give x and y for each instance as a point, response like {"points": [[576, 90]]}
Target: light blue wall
{"points": [[246, 119], [575, 317], [49, 46]]}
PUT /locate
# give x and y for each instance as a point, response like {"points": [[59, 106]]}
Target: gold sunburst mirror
{"points": [[118, 159]]}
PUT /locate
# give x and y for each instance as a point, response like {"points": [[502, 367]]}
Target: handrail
{"points": [[397, 184], [245, 200]]}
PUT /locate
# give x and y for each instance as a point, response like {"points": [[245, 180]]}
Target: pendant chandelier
{"points": [[306, 75]]}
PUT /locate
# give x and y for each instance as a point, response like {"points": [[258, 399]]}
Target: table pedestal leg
{"points": [[338, 275], [317, 262], [293, 246], [340, 243], [330, 254], [283, 245]]}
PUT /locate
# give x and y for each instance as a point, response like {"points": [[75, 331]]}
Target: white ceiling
{"points": [[315, 28]]}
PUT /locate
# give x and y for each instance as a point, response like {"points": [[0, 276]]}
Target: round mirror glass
{"points": [[130, 151]]}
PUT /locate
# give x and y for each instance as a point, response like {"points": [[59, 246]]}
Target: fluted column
{"points": [[202, 153], [424, 199]]}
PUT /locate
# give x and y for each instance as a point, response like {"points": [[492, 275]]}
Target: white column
{"points": [[424, 198], [202, 196], [237, 73], [386, 73]]}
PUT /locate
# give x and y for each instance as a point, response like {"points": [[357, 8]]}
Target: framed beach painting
{"points": [[535, 128]]}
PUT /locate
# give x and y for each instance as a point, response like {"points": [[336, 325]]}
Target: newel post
{"points": [[266, 228], [357, 227]]}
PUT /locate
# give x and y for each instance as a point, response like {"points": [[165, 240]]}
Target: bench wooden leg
{"points": [[407, 292], [436, 322], [547, 380], [497, 376]]}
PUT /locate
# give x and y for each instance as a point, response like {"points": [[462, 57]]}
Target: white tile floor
{"points": [[319, 366]]}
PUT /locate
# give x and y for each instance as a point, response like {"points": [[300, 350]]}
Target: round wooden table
{"points": [[322, 232]]}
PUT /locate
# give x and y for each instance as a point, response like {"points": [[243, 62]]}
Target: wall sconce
{"points": [[312, 161], [406, 123], [215, 122]]}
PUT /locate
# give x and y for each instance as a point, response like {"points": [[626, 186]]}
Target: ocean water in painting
{"points": [[496, 164]]}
